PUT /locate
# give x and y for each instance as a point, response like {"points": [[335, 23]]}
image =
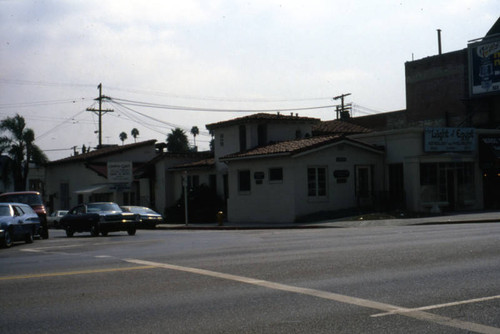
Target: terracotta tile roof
{"points": [[286, 147], [338, 127], [102, 152], [262, 117], [200, 164]]}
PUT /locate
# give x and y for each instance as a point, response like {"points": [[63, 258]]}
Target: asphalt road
{"points": [[392, 279]]}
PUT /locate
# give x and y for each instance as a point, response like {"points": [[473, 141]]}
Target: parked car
{"points": [[33, 199], [149, 217], [54, 218], [98, 217], [18, 222]]}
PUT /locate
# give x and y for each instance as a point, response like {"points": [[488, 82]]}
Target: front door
{"points": [[364, 189]]}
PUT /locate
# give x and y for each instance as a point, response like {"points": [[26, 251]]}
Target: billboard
{"points": [[484, 66]]}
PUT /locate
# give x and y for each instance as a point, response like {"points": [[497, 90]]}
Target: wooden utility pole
{"points": [[100, 112], [342, 108]]}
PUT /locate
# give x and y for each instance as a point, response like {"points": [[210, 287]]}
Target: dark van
{"points": [[33, 199]]}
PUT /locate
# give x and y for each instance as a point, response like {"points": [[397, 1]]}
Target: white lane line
{"points": [[432, 307], [411, 313]]}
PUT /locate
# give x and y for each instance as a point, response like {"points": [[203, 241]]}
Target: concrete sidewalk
{"points": [[476, 217]]}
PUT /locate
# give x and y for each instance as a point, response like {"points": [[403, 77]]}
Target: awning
{"points": [[91, 189]]}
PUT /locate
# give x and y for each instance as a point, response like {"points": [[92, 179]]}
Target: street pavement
{"points": [[460, 218]]}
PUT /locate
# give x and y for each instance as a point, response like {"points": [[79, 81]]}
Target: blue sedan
{"points": [[18, 222]]}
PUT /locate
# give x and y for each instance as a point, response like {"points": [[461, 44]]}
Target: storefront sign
{"points": [[120, 172], [450, 139]]}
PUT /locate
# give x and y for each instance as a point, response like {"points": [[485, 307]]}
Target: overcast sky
{"points": [[223, 54]]}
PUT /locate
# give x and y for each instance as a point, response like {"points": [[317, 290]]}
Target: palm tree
{"points": [[195, 131], [177, 141], [134, 134], [123, 136], [18, 142]]}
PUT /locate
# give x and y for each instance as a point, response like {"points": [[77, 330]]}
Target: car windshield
{"points": [[30, 199], [4, 210], [140, 209], [98, 207]]}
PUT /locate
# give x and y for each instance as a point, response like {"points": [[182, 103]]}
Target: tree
{"points": [[177, 141], [195, 131], [18, 142], [123, 137], [134, 134]]}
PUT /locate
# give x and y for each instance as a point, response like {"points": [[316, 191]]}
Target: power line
{"points": [[168, 124], [38, 103], [213, 98], [60, 124], [189, 108]]}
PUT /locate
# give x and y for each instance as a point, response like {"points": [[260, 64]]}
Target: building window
{"points": [[243, 138], [262, 134], [212, 182], [447, 182], [244, 181], [276, 175], [316, 181], [64, 195]]}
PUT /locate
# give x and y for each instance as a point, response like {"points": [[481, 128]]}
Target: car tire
{"points": [[69, 232], [6, 242], [131, 231], [104, 233], [94, 230], [28, 238]]}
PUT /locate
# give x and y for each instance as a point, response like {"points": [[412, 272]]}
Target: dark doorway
{"points": [[491, 189], [397, 199]]}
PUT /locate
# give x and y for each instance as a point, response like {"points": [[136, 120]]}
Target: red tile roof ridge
{"points": [[287, 147], [102, 152], [263, 117]]}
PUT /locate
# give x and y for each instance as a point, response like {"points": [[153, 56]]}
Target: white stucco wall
{"points": [[266, 202], [286, 201]]}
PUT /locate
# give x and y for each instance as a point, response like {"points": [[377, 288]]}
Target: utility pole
{"points": [[100, 112], [343, 109]]}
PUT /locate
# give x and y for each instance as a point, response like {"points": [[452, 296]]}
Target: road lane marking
{"points": [[76, 272], [432, 307], [411, 313]]}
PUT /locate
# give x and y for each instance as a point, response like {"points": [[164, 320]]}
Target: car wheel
{"points": [[7, 239], [131, 231], [94, 230], [28, 238], [69, 232], [104, 233]]}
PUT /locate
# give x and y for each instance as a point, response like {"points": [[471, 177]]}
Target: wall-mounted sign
{"points": [[450, 139], [341, 173], [484, 66], [259, 175], [120, 172]]}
